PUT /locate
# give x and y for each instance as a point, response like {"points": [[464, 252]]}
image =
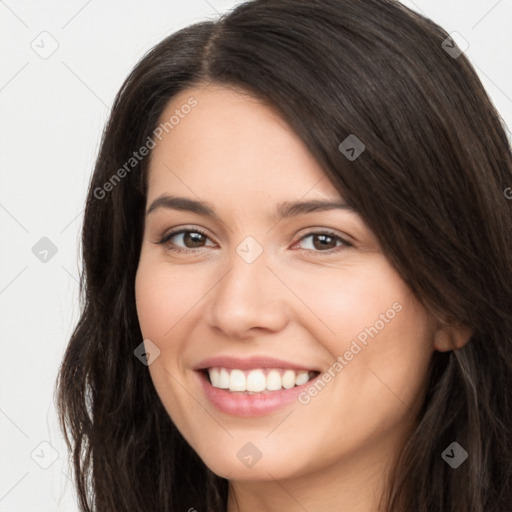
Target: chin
{"points": [[246, 461]]}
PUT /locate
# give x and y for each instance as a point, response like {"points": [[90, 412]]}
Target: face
{"points": [[248, 287]]}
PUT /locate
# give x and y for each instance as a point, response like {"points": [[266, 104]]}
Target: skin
{"points": [[294, 302]]}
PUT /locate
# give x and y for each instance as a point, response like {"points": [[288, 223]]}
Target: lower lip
{"points": [[242, 404]]}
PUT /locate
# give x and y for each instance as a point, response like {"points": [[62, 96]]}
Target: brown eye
{"points": [[322, 242], [185, 239], [193, 239]]}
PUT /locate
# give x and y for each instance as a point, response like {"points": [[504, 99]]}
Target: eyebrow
{"points": [[283, 210]]}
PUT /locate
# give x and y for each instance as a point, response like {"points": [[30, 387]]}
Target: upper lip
{"points": [[250, 363]]}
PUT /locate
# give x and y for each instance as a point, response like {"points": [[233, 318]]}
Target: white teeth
{"points": [[301, 378], [273, 380], [288, 379], [237, 381], [257, 380], [223, 379], [214, 377]]}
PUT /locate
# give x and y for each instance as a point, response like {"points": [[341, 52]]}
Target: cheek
{"points": [[385, 362], [343, 302], [164, 297], [165, 307], [382, 333], [378, 386]]}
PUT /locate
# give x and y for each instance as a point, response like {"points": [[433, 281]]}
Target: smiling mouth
{"points": [[258, 380]]}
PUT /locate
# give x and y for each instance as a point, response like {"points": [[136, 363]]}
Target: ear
{"points": [[451, 337]]}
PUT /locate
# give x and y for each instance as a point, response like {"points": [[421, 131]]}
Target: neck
{"points": [[348, 485]]}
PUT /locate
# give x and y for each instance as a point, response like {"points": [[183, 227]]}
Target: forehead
{"points": [[232, 144]]}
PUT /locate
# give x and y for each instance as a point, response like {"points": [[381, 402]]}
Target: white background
{"points": [[52, 114]]}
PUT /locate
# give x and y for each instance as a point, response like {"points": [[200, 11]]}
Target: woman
{"points": [[297, 274]]}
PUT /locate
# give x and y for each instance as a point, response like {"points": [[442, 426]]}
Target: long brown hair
{"points": [[430, 184]]}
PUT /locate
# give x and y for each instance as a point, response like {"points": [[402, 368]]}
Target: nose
{"points": [[248, 300]]}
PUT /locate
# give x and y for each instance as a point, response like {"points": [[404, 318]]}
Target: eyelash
{"points": [[344, 243]]}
